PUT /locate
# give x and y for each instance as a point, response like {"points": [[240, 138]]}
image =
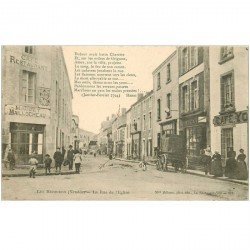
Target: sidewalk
{"points": [[193, 172], [24, 171]]}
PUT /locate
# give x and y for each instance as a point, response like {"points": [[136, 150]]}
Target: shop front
{"points": [[234, 132], [27, 139], [136, 145], [26, 129], [195, 137]]}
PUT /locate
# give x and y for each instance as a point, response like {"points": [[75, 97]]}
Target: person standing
{"points": [[47, 163], [241, 171], [33, 165], [231, 165], [58, 157], [11, 159], [208, 159], [78, 161], [70, 157], [216, 166]]}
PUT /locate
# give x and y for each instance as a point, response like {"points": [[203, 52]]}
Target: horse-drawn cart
{"points": [[172, 152]]}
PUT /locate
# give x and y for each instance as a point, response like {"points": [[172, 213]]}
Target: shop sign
{"points": [[190, 122], [20, 110], [27, 61], [232, 118]]}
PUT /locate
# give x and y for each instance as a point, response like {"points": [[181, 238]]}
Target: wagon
{"points": [[172, 152]]}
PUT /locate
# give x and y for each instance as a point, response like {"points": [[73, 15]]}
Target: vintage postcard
{"points": [[125, 122]]}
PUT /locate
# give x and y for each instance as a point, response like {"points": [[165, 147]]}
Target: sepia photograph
{"points": [[125, 122]]}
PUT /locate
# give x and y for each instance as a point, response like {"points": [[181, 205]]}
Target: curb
{"points": [[38, 174], [195, 173]]}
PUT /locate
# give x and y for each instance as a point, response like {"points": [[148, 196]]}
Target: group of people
{"points": [[235, 168], [73, 157]]}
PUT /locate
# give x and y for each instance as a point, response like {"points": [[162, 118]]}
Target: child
{"points": [[78, 161], [47, 163], [143, 164], [33, 164]]}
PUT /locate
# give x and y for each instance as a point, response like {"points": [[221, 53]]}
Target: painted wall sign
{"points": [[27, 61], [232, 118], [19, 110]]}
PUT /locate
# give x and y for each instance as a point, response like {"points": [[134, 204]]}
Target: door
{"points": [[226, 143]]}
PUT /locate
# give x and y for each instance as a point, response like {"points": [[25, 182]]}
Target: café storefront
{"points": [[233, 132], [194, 130], [26, 138]]}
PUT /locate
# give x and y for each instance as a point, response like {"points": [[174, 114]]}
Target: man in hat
{"points": [[58, 157], [70, 157]]}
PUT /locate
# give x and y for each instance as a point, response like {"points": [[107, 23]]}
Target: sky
{"points": [[141, 60]]}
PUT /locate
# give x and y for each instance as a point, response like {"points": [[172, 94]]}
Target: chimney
{"points": [[107, 119], [139, 96]]}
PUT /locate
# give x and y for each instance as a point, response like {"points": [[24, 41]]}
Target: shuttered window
{"points": [[227, 92]]}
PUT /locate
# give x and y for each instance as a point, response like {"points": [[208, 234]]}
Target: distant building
{"points": [[229, 99], [128, 136], [36, 99], [105, 140], [75, 132], [85, 137], [121, 129], [166, 99], [141, 119]]}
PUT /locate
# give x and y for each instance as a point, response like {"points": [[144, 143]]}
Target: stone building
{"points": [[128, 136], [121, 129], [75, 132], [229, 99], [36, 101], [142, 126], [105, 139], [194, 99], [166, 99]]}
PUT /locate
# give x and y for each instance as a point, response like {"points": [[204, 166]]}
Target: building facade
{"points": [[140, 127], [229, 99], [128, 137], [84, 138], [166, 99], [194, 100], [75, 132], [36, 101]]}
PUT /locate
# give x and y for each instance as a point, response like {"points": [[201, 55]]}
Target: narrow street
{"points": [[120, 180]]}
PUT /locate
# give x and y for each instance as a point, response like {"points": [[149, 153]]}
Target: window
{"points": [[192, 141], [28, 87], [193, 56], [150, 102], [144, 122], [169, 129], [159, 109], [169, 101], [57, 103], [29, 49], [184, 60], [226, 52], [150, 120], [194, 96], [227, 92], [168, 73], [158, 80], [185, 99]]}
